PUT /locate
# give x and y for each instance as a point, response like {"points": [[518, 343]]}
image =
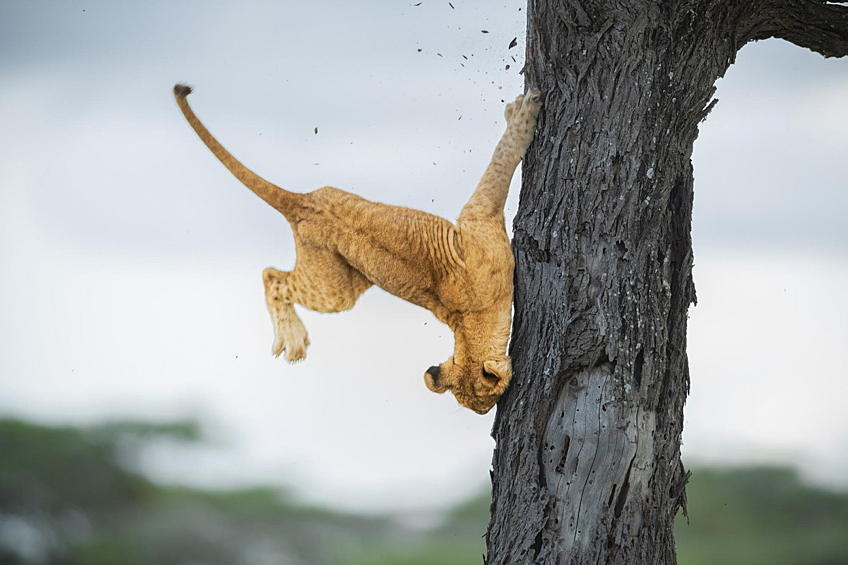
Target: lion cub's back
{"points": [[397, 248], [396, 228]]}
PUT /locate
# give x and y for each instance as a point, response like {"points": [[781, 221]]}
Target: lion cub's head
{"points": [[476, 385]]}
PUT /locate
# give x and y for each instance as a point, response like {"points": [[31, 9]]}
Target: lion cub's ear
{"points": [[497, 373]]}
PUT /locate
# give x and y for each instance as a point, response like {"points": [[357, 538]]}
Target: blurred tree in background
{"points": [[67, 497]]}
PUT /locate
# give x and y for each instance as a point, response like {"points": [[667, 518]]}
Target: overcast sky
{"points": [[131, 260]]}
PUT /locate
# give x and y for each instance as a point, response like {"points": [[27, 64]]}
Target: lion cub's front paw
{"points": [[530, 102], [513, 107], [534, 100], [523, 117], [529, 110]]}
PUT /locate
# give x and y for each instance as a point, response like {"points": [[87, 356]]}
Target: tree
{"points": [[587, 464]]}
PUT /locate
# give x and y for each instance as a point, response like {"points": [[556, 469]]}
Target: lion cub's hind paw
{"points": [[294, 352], [278, 347], [292, 340]]}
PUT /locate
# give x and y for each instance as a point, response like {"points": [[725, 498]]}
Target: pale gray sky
{"points": [[130, 260]]}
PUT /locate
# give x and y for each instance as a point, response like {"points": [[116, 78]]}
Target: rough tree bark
{"points": [[587, 465]]}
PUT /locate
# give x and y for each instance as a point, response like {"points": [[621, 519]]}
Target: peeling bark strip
{"points": [[587, 464]]}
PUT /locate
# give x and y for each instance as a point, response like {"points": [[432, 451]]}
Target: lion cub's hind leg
{"points": [[289, 333], [321, 281]]}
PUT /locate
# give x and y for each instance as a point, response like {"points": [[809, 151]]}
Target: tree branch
{"points": [[818, 25]]}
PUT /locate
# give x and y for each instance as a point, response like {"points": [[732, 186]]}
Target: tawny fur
{"points": [[462, 273]]}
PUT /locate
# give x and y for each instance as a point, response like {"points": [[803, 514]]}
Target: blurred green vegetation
{"points": [[67, 498], [759, 516]]}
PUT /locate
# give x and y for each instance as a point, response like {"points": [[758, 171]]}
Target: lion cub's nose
{"points": [[434, 372]]}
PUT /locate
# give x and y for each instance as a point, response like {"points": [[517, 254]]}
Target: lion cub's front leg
{"points": [[487, 201]]}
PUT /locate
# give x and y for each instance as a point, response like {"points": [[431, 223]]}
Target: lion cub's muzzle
{"points": [[431, 379], [479, 392]]}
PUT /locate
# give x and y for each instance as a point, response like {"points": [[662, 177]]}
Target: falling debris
{"points": [[439, 54], [316, 131], [513, 43], [449, 4], [484, 31], [464, 57], [420, 50], [507, 67], [417, 4]]}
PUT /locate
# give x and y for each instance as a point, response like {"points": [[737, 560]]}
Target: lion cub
{"points": [[462, 273]]}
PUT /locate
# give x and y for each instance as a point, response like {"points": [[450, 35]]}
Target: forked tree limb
{"points": [[818, 25]]}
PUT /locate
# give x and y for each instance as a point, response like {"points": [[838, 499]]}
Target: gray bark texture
{"points": [[587, 464]]}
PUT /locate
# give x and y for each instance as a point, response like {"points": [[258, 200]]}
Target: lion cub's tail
{"points": [[281, 199]]}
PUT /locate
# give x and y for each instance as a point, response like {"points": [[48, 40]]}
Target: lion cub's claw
{"points": [[278, 347], [297, 353]]}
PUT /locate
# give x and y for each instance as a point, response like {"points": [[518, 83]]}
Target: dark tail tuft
{"points": [[181, 90]]}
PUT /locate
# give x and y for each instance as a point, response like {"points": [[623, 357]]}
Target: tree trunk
{"points": [[587, 465]]}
